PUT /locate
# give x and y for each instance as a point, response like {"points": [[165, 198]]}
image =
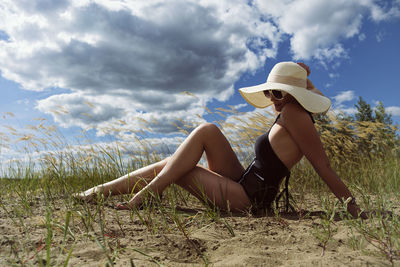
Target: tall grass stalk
{"points": [[382, 230], [364, 156], [325, 230]]}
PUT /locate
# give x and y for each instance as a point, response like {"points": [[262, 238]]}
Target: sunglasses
{"points": [[278, 95]]}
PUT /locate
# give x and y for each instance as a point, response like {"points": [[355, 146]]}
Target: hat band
{"points": [[289, 80]]}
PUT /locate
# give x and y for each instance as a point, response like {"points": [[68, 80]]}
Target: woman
{"points": [[225, 182]]}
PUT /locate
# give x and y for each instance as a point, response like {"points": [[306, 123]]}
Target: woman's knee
{"points": [[208, 128]]}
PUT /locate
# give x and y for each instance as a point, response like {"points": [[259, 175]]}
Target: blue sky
{"points": [[95, 65]]}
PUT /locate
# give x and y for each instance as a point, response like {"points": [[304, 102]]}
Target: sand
{"points": [[285, 240]]}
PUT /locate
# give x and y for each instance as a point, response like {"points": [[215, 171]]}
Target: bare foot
{"points": [[123, 206], [137, 201], [127, 206], [89, 195]]}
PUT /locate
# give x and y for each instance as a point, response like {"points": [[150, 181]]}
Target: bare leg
{"points": [[135, 181], [219, 190], [221, 159]]}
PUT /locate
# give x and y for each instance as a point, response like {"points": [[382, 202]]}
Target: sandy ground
{"points": [[285, 240]]}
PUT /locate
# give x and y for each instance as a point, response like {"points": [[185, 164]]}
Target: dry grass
{"points": [[42, 225]]}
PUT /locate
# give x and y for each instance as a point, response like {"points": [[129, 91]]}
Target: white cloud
{"points": [[24, 101], [242, 120], [347, 96], [344, 96], [349, 111], [120, 114], [390, 10], [239, 106], [316, 26], [131, 60], [380, 36], [344, 110], [339, 100], [15, 157], [394, 110], [333, 75]]}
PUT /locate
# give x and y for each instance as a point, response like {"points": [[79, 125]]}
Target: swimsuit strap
{"points": [[277, 118], [312, 118], [286, 192], [287, 177]]}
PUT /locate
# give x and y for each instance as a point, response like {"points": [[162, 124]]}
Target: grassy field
{"points": [[41, 224]]}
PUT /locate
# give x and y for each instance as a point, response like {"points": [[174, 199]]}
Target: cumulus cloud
{"points": [[391, 10], [349, 111], [239, 106], [344, 96], [130, 61], [317, 27], [393, 110], [14, 156], [339, 100]]}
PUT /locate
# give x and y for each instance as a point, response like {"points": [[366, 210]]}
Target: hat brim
{"points": [[311, 101]]}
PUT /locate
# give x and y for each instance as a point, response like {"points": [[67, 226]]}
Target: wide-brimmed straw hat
{"points": [[291, 78]]}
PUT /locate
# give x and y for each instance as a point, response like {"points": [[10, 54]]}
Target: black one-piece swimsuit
{"points": [[263, 176]]}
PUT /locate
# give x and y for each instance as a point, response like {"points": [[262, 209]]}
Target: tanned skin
{"points": [[292, 137]]}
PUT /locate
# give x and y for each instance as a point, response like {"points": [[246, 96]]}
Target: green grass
{"points": [[37, 197]]}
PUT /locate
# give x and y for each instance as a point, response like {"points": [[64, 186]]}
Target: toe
{"points": [[122, 206]]}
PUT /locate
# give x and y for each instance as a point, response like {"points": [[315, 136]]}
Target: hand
{"points": [[307, 68], [355, 211], [310, 85]]}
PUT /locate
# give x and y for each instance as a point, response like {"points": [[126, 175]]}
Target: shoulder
{"points": [[295, 114], [297, 121]]}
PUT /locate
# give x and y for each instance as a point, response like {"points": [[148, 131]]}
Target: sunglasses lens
{"points": [[277, 94]]}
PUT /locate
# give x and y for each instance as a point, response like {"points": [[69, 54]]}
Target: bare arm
{"points": [[300, 126]]}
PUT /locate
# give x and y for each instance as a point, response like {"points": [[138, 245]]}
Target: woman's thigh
{"points": [[220, 190], [220, 156]]}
